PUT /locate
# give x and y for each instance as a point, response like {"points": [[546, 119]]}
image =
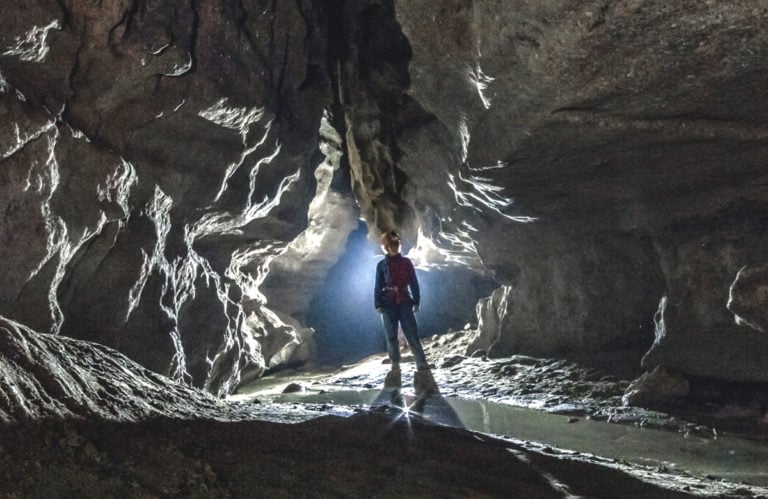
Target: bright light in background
{"points": [[347, 326]]}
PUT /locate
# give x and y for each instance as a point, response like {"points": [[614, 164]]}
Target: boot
{"points": [[393, 379], [424, 383]]}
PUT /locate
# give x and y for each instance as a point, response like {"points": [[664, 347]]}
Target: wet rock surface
{"points": [[706, 408]]}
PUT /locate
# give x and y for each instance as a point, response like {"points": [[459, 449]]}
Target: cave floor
{"points": [[550, 404]]}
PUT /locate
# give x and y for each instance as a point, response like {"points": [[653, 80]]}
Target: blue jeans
{"points": [[402, 314]]}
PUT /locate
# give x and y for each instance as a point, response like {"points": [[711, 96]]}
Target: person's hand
{"points": [[415, 308], [379, 310]]}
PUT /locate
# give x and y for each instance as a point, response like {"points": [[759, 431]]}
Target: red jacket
{"points": [[396, 282]]}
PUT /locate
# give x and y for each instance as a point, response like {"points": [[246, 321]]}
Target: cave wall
{"points": [[150, 152], [633, 132]]}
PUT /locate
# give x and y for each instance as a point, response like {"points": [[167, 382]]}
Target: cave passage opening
{"points": [[347, 326]]}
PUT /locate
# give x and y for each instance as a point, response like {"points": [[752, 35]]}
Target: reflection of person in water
{"points": [[396, 297]]}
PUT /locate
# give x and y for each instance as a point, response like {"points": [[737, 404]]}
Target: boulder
{"points": [[656, 389]]}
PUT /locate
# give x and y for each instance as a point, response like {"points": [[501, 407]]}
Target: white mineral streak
{"points": [[134, 294], [117, 187], [446, 249], [67, 250], [182, 275], [78, 134], [160, 50], [45, 181], [21, 139], [33, 47], [480, 81], [236, 336], [178, 276], [240, 119], [158, 210], [498, 166], [228, 223], [245, 338], [235, 118], [233, 339], [183, 101], [60, 243], [258, 257], [479, 193], [465, 138], [181, 69], [732, 299]]}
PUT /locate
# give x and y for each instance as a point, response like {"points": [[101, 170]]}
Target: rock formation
{"points": [[49, 378], [155, 158], [176, 181], [632, 133]]}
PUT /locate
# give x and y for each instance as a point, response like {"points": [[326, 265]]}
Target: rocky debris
{"points": [[656, 389], [562, 387], [294, 388], [550, 384]]}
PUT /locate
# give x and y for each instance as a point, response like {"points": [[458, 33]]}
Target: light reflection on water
{"points": [[726, 457]]}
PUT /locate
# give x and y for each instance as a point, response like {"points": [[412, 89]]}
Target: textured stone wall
{"points": [[151, 152], [633, 132]]}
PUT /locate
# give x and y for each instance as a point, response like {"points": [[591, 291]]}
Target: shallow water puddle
{"points": [[725, 457]]}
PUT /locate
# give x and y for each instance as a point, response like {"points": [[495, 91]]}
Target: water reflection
{"points": [[436, 410], [726, 457]]}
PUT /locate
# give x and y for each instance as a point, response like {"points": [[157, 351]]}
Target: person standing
{"points": [[396, 298]]}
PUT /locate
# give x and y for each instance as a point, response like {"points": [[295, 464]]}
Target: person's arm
{"points": [[378, 288], [415, 290]]}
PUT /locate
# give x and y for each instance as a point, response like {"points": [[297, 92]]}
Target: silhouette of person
{"points": [[396, 298]]}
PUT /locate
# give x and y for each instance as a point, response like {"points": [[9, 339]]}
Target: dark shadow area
{"points": [[347, 327], [325, 457]]}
